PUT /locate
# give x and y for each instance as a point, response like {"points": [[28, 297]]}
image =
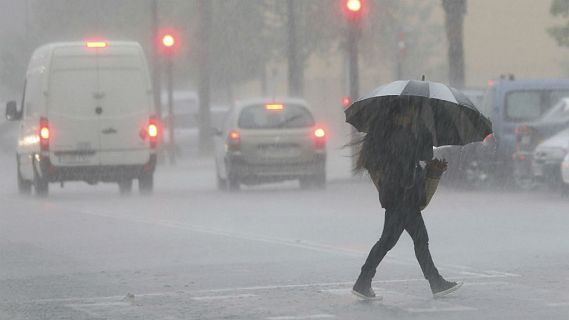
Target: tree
{"points": [[400, 34], [560, 8], [455, 11]]}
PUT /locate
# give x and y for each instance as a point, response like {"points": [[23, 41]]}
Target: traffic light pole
{"points": [[353, 63], [170, 84]]}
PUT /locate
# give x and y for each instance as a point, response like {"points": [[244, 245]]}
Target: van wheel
{"points": [[125, 186], [24, 186], [146, 183], [41, 185]]}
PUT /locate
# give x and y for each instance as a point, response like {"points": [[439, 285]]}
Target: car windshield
{"points": [[261, 117]]}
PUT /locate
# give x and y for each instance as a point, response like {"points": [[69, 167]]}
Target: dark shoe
{"points": [[441, 287], [365, 294], [362, 289]]}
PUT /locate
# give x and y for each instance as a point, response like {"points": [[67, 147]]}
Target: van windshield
{"points": [[532, 104], [290, 116], [560, 112]]}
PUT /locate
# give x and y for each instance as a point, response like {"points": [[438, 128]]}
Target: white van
{"points": [[87, 114]]}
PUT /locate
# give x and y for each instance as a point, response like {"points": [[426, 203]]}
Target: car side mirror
{"points": [[12, 113]]}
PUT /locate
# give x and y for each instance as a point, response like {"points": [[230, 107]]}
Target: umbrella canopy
{"points": [[448, 114]]}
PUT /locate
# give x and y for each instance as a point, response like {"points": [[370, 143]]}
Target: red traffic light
{"points": [[346, 101], [353, 9], [168, 40], [354, 5]]}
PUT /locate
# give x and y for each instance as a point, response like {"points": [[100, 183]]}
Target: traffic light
{"points": [[353, 9], [168, 42], [346, 101]]}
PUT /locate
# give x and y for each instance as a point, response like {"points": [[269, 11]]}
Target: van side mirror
{"points": [[12, 113]]}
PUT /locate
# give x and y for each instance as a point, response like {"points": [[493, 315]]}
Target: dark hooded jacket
{"points": [[393, 163]]}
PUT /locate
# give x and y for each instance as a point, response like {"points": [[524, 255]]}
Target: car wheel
{"points": [[233, 183], [24, 186], [41, 185], [476, 174], [125, 186], [146, 183]]}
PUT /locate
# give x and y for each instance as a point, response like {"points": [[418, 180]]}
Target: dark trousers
{"points": [[397, 220]]}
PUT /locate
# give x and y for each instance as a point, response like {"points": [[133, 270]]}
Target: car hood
{"points": [[560, 140]]}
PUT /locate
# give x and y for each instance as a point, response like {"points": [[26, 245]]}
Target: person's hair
{"points": [[380, 128]]}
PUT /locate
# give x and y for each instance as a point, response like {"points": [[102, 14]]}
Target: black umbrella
{"points": [[446, 112]]}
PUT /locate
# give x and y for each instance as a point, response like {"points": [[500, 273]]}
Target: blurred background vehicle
{"points": [[565, 175], [547, 159], [508, 103], [87, 114], [186, 112], [531, 135], [266, 141]]}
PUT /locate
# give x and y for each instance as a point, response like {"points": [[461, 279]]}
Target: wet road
{"points": [[274, 252]]}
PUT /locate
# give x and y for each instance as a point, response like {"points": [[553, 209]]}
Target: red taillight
{"points": [[234, 136], [151, 131], [319, 137], [234, 140], [44, 134]]}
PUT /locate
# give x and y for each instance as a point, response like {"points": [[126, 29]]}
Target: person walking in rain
{"points": [[392, 152]]}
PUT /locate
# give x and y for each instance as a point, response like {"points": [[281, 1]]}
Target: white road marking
{"points": [[440, 309], [558, 304], [312, 316], [234, 296]]}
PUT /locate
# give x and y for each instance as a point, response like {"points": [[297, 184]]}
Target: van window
{"points": [[291, 116], [524, 105]]}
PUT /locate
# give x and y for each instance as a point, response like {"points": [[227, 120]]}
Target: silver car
{"points": [[548, 156], [266, 141]]}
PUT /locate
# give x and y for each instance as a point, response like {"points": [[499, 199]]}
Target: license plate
{"points": [[279, 151], [75, 158]]}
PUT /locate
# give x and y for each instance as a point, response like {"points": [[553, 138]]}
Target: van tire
{"points": [[41, 185], [24, 186], [146, 183], [125, 187]]}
